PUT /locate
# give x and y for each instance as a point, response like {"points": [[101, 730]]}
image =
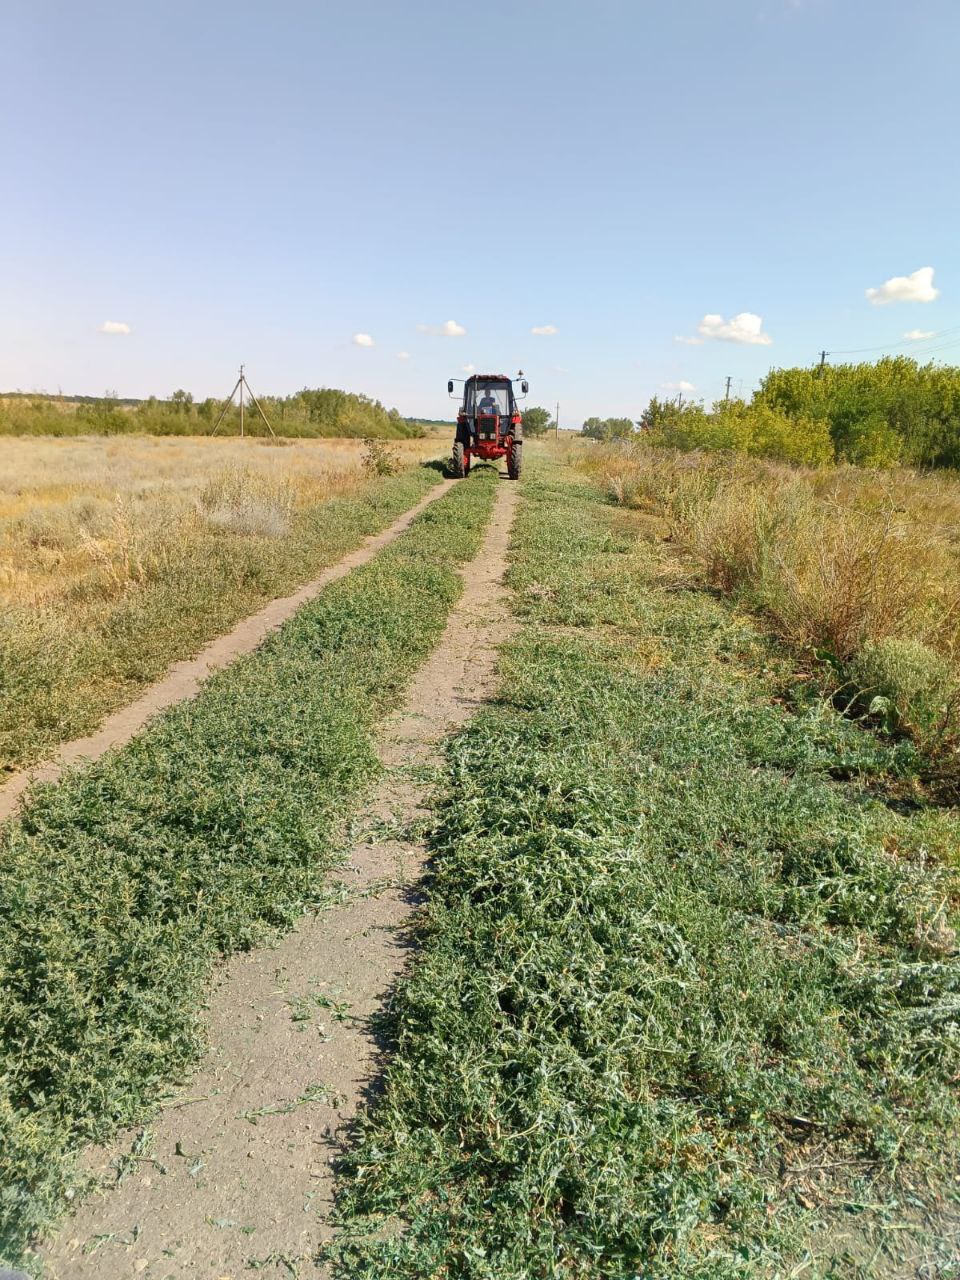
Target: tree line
{"points": [[894, 410], [318, 411]]}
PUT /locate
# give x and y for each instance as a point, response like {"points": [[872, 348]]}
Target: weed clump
{"points": [[907, 685]]}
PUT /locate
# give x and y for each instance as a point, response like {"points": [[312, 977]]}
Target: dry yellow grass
{"points": [[68, 506], [120, 554]]}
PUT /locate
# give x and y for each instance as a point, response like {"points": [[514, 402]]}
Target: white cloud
{"points": [[916, 287], [403, 355], [362, 340], [744, 327], [468, 368], [544, 330], [449, 329], [114, 326], [918, 335], [682, 385], [690, 342]]}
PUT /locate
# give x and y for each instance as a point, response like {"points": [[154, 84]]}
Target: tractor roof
{"points": [[489, 377]]}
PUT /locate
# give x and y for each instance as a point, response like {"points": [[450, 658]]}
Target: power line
{"points": [[914, 343]]}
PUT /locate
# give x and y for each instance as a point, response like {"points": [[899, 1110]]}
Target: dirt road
{"points": [[235, 1174], [183, 680]]}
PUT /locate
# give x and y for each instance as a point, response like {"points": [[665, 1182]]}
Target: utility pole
{"points": [[823, 358], [242, 385], [729, 380], [557, 434]]}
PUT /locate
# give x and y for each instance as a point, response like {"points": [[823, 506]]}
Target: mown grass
{"points": [[118, 557], [685, 1005], [120, 886]]}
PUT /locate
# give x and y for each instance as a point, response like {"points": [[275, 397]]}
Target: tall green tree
{"points": [[536, 421]]}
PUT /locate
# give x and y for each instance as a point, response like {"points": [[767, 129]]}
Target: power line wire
{"points": [[914, 343]]}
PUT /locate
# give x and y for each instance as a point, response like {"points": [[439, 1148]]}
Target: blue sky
{"points": [[266, 182]]}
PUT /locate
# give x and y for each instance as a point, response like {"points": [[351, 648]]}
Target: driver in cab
{"points": [[488, 403]]}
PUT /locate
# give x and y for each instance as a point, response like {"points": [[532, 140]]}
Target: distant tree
{"points": [[608, 428], [618, 428], [182, 400], [536, 421]]}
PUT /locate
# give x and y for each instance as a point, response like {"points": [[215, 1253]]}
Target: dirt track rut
{"points": [[183, 680], [237, 1175]]}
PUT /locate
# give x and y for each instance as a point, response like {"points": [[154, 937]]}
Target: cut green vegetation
{"points": [[120, 886], [688, 999]]}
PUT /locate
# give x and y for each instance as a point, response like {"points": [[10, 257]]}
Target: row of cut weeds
{"points": [[859, 569], [120, 886], [119, 556], [686, 1007]]}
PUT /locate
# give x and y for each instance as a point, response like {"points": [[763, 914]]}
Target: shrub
{"points": [[757, 430], [378, 460]]}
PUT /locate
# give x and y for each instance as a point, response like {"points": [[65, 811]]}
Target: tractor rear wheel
{"points": [[514, 460], [457, 465]]}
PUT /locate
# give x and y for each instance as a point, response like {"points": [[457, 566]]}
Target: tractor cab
{"points": [[489, 423]]}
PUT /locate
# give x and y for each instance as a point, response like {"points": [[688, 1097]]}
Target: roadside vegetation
{"points": [[121, 885], [686, 1001], [312, 412], [118, 556], [857, 571], [895, 411]]}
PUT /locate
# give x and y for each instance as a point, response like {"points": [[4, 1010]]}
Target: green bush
{"points": [[895, 409], [756, 430]]}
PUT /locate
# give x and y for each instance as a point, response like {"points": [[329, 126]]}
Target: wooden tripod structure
{"points": [[242, 385]]}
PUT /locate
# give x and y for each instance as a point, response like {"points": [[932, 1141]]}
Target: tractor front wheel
{"points": [[514, 460], [457, 465]]}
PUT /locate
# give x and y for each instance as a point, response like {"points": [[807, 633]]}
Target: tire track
{"points": [[184, 679], [237, 1172]]}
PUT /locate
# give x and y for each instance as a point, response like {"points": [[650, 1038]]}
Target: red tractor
{"points": [[489, 424]]}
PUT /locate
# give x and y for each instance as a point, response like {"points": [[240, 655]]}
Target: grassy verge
{"points": [[857, 570], [120, 886], [686, 1005], [102, 592]]}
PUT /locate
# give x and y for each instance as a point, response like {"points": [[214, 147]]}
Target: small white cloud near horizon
{"points": [[115, 326], [745, 327], [916, 287], [403, 355], [682, 385], [918, 335], [468, 368], [449, 329], [690, 342], [363, 340], [544, 330]]}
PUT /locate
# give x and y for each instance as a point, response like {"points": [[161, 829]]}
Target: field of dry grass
{"points": [[120, 554]]}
